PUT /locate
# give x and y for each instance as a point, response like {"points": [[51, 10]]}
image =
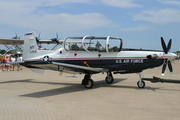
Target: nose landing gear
{"points": [[141, 83]]}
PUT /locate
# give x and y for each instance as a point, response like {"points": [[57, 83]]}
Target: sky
{"points": [[140, 23]]}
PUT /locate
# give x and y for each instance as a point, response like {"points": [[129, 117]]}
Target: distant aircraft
{"points": [[90, 55], [16, 44], [16, 37]]}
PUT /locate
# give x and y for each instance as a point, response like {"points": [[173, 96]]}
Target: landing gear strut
{"points": [[141, 83], [109, 78], [87, 81]]}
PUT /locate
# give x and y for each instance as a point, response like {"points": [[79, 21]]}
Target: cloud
{"points": [[58, 2], [60, 22], [139, 28], [160, 17], [35, 3], [172, 2], [66, 22], [121, 3], [24, 15]]}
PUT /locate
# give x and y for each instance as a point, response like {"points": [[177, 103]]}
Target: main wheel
{"points": [[109, 79], [90, 84], [141, 85]]}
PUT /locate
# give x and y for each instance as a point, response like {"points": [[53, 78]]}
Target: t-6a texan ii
{"points": [[89, 55]]}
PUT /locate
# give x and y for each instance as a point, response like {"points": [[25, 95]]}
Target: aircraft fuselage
{"points": [[126, 61]]}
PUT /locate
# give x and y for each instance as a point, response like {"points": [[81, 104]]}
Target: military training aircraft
{"points": [[90, 55]]}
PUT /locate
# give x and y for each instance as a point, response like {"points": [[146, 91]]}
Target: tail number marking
{"points": [[31, 49]]}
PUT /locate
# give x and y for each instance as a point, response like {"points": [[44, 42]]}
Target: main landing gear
{"points": [[88, 82], [109, 78], [141, 83]]}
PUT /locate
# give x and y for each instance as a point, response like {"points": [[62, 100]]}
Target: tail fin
{"points": [[30, 46]]}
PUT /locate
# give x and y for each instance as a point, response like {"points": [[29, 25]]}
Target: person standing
{"points": [[21, 58], [7, 61], [4, 62], [18, 59], [13, 59], [1, 63]]}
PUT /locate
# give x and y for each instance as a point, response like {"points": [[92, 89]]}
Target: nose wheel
{"points": [[141, 83]]}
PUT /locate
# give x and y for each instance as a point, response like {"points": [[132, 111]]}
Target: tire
{"points": [[142, 85], [90, 84], [109, 79]]}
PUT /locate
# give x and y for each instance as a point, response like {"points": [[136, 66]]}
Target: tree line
{"points": [[2, 51]]}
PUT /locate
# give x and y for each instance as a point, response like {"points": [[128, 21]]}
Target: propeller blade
{"points": [[57, 35], [169, 45], [164, 67], [16, 35], [163, 45], [19, 37], [38, 38], [170, 66], [121, 45], [39, 35]]}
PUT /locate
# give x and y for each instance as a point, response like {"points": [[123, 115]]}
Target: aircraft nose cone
{"points": [[172, 56], [175, 55]]}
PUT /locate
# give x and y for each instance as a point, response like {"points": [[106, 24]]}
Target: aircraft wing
{"points": [[11, 41], [51, 42], [21, 42], [78, 67]]}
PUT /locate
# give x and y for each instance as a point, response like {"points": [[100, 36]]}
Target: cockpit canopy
{"points": [[92, 44]]}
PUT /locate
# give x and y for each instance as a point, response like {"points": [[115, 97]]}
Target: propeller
{"points": [[56, 39], [38, 38], [16, 37], [166, 61]]}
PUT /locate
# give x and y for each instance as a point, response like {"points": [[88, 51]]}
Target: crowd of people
{"points": [[8, 62]]}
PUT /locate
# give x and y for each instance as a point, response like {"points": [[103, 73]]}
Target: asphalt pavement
{"points": [[25, 95]]}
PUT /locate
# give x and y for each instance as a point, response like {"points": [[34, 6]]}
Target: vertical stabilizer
{"points": [[30, 46]]}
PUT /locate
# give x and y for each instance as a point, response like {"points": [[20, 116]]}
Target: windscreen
{"points": [[93, 44], [114, 45]]}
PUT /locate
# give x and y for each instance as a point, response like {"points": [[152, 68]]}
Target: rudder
{"points": [[30, 46]]}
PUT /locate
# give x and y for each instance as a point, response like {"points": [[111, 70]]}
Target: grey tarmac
{"points": [[25, 95]]}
